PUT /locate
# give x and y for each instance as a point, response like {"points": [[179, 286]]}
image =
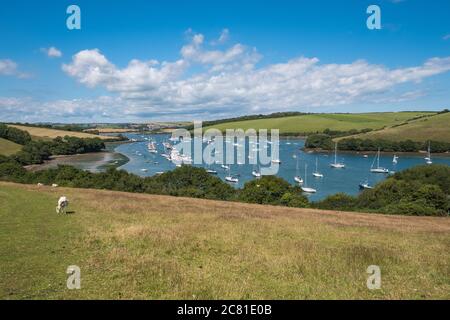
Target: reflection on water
{"points": [[347, 180]]}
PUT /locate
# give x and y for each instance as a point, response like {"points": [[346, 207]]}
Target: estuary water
{"points": [[357, 167]]}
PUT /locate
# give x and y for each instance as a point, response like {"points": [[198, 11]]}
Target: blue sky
{"points": [[185, 60]]}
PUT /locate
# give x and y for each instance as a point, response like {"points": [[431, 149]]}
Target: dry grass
{"points": [[45, 133], [156, 247], [8, 148]]}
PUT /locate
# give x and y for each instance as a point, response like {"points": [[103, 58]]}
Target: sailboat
{"points": [[365, 185], [211, 171], [297, 177], [152, 147], [305, 188], [231, 178], [378, 169], [395, 159], [256, 173], [316, 173], [428, 158], [336, 165]]}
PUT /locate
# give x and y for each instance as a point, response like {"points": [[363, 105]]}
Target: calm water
{"points": [[334, 180]]}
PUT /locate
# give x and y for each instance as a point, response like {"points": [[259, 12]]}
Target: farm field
{"points": [[435, 128], [312, 123], [45, 133], [135, 246], [8, 148]]}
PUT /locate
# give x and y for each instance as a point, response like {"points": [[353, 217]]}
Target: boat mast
{"points": [[335, 153], [378, 159]]}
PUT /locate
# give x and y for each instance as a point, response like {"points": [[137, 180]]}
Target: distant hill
{"points": [[435, 128], [8, 148], [314, 123], [46, 133]]}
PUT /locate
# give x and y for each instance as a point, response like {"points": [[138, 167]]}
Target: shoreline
{"points": [[92, 161]]}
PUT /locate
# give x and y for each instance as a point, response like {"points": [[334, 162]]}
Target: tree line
{"points": [[36, 152], [325, 142]]}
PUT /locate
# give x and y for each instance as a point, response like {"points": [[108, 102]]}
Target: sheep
{"points": [[63, 203], [39, 184], [54, 185]]}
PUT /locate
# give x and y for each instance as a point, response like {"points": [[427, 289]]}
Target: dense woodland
{"points": [[325, 141]]}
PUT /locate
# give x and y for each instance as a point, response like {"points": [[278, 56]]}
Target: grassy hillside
{"points": [[45, 133], [319, 122], [435, 128], [150, 247], [8, 148]]}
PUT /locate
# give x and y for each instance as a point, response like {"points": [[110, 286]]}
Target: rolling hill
{"points": [[435, 128], [45, 133], [136, 246], [312, 123], [8, 148]]}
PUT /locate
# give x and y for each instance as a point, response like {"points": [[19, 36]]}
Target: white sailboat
{"points": [[365, 185], [316, 173], [378, 169], [428, 158], [210, 171], [297, 177], [256, 173], [305, 188], [230, 178], [336, 165], [395, 159]]}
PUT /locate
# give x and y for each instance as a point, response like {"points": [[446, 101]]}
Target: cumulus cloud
{"points": [[207, 82], [52, 52], [10, 68], [230, 78]]}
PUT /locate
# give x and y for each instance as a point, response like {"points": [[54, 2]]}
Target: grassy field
{"points": [[45, 133], [158, 247], [319, 122], [430, 128], [8, 148]]}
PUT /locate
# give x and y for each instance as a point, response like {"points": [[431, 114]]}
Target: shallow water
{"points": [[335, 180]]}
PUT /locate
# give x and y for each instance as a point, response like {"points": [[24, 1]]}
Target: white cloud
{"points": [[209, 83], [230, 80], [446, 37], [224, 36], [10, 68], [52, 52]]}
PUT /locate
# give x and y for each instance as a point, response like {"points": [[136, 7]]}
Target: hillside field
{"points": [[312, 123], [45, 133], [135, 246], [435, 128], [8, 148]]}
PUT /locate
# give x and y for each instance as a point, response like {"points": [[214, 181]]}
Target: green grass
{"points": [[8, 148], [157, 247], [319, 122], [435, 128]]}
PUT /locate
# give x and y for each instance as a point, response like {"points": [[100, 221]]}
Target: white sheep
{"points": [[54, 185], [39, 184], [63, 203]]}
